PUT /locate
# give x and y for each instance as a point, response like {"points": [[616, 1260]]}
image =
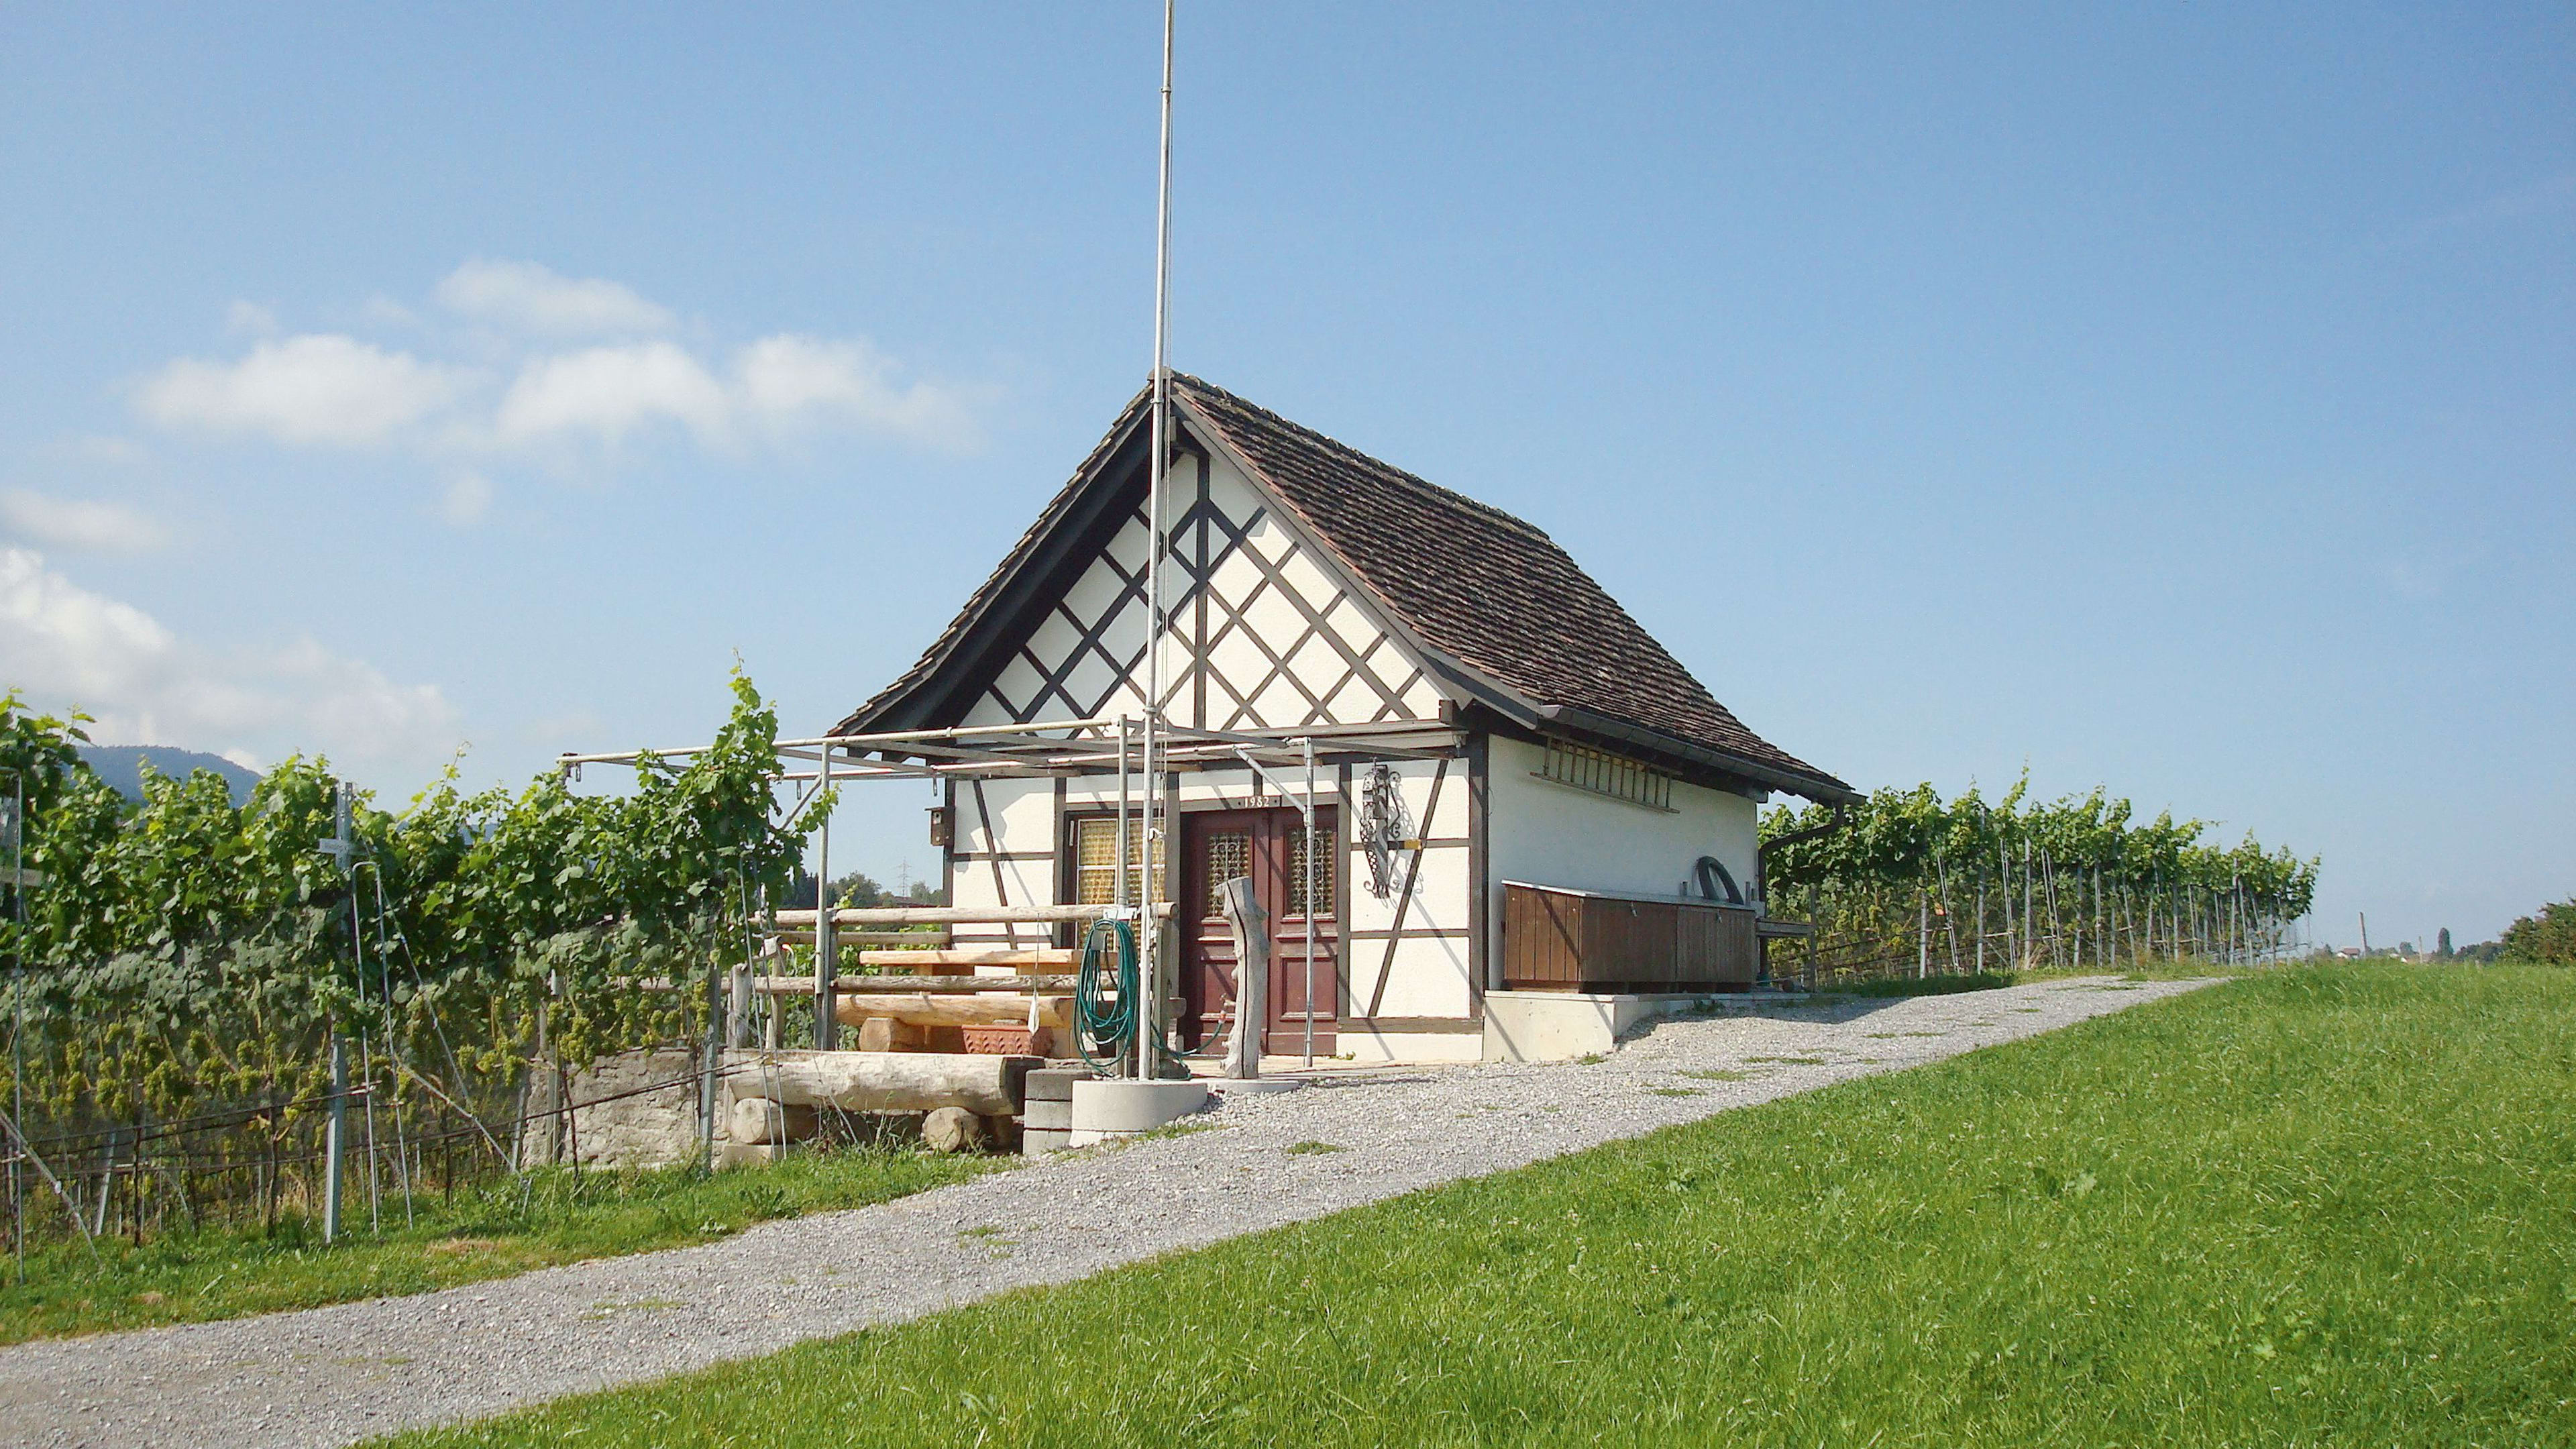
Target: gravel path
{"points": [[329, 1376]]}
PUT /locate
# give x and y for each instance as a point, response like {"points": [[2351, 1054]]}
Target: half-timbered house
{"points": [[1520, 789]]}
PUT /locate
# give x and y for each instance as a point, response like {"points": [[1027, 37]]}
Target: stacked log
{"points": [[774, 1098]]}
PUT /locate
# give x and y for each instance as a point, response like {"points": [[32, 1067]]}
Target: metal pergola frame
{"points": [[1060, 747], [1075, 749]]}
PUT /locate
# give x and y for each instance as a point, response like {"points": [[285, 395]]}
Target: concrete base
{"points": [[1105, 1109], [1557, 1026]]}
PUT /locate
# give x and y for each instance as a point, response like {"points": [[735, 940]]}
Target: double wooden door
{"points": [[1270, 847]]}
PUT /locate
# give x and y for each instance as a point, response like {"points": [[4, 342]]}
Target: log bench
{"points": [[773, 1098]]}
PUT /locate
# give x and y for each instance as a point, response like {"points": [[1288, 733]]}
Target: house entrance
{"points": [[1270, 847]]}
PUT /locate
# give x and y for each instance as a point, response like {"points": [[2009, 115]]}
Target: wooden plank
{"points": [[930, 939], [1564, 940], [867, 985], [919, 1008], [954, 915], [970, 956]]}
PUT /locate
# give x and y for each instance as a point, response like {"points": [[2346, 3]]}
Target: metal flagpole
{"points": [[1119, 882], [1149, 944]]}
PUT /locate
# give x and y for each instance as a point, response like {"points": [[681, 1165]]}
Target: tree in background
{"points": [[2548, 937], [858, 890]]}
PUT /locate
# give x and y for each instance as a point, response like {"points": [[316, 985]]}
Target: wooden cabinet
{"points": [[1556, 939]]}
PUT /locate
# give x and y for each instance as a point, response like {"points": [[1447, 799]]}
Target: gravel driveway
{"points": [[333, 1375]]}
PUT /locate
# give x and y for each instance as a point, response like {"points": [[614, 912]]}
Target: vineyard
{"points": [[198, 987], [1908, 884], [195, 985]]}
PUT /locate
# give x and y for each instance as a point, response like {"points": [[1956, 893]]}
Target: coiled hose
{"points": [[1109, 969], [1098, 1020]]}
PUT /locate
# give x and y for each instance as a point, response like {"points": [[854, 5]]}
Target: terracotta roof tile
{"points": [[1480, 585], [1469, 580]]}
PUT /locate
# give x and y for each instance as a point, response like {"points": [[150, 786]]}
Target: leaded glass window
{"points": [[1095, 860], [1229, 854], [1327, 855]]}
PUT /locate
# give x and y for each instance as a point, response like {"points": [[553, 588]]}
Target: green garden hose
{"points": [[1109, 967], [1099, 1021]]}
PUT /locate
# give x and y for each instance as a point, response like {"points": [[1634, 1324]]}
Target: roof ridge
{"points": [[1414, 480], [1453, 576]]}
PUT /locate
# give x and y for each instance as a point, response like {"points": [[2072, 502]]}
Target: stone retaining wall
{"points": [[658, 1128]]}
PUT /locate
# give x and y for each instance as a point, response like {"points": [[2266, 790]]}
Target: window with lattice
{"points": [[1327, 855], [1095, 861], [1229, 855]]}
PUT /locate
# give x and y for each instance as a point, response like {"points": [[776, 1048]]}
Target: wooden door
{"points": [[1268, 846]]}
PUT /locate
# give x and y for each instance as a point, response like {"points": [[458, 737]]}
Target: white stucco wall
{"points": [[1021, 820], [1268, 601], [1424, 975], [1547, 833]]}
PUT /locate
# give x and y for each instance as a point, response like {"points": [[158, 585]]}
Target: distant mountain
{"points": [[122, 767]]}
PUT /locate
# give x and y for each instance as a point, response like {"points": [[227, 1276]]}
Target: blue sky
{"points": [[2181, 399]]}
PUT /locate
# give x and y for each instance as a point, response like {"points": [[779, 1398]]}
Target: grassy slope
{"points": [[2317, 1206], [184, 1278]]}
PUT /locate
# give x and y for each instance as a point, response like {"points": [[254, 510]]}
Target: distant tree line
{"points": [[857, 891], [2546, 937]]}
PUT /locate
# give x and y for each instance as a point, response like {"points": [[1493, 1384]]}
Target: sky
{"points": [[2176, 398]]}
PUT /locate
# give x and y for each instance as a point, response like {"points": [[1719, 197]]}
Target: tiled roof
{"points": [[1480, 585], [1492, 593]]}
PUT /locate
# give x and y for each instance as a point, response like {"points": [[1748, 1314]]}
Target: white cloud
{"points": [[314, 389], [384, 311], [81, 522], [73, 648], [780, 387], [468, 498], [525, 297], [250, 317], [788, 381], [610, 391], [333, 390]]}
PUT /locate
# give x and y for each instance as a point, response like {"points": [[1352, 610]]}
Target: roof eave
{"points": [[1817, 786], [913, 700]]}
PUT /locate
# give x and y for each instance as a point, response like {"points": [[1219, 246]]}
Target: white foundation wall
{"points": [[1546, 833]]}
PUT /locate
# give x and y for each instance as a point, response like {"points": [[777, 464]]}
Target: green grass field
{"points": [[2317, 1206], [184, 1277]]}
